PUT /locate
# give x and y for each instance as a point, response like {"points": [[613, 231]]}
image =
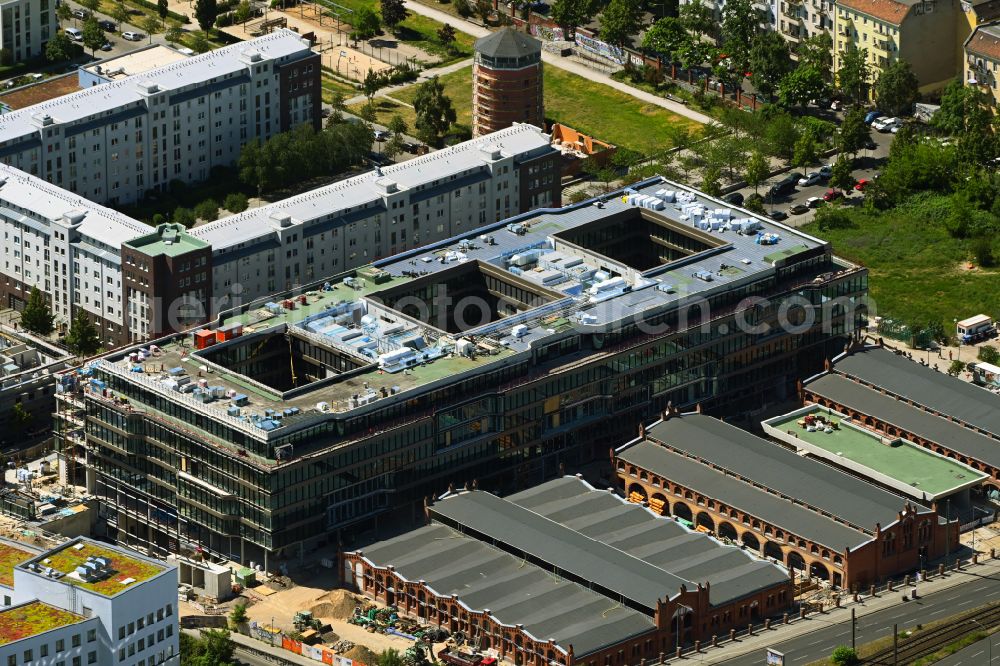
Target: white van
{"points": [[75, 34]]}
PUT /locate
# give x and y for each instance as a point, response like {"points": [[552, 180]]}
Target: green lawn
{"points": [[917, 270], [590, 107]]}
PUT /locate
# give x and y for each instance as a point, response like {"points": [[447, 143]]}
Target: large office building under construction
{"points": [[501, 355]]}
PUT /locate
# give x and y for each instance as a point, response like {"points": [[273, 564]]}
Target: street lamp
{"points": [[989, 638]]}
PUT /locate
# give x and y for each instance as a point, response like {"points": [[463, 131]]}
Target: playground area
{"points": [[329, 25]]}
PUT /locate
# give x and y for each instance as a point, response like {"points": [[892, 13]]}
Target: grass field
{"points": [[917, 270], [570, 99]]}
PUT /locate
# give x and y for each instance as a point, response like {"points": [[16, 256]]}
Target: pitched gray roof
{"points": [[925, 386], [812, 482], [912, 419], [515, 592], [507, 43], [795, 518]]}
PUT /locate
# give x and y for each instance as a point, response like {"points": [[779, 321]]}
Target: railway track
{"points": [[928, 642]]}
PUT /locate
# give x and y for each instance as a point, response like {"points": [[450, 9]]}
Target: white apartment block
{"points": [[72, 249], [86, 602], [116, 141], [25, 27], [353, 222]]}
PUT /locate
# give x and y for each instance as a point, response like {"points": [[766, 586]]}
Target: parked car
{"points": [[810, 179], [381, 135], [110, 26], [862, 184], [815, 202], [785, 185], [80, 13], [734, 198], [106, 46], [833, 195], [778, 215], [798, 209], [826, 170], [884, 124], [132, 36], [74, 33], [411, 146], [870, 144], [872, 116]]}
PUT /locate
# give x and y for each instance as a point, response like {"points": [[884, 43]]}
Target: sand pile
{"points": [[362, 654], [338, 604]]}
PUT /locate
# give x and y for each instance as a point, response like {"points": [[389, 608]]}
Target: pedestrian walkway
{"points": [[424, 76], [563, 63]]}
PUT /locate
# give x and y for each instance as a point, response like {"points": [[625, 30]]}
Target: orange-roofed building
{"points": [[921, 32]]}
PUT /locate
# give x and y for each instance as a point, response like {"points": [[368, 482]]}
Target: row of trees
{"points": [[82, 338], [366, 23], [303, 153]]}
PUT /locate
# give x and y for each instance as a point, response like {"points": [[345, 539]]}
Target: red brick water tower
{"points": [[506, 82]]}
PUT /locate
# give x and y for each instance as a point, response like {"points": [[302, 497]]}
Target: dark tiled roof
{"points": [[507, 43]]}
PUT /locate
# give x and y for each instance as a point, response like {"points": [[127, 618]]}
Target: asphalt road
{"points": [[820, 643], [979, 653], [119, 45], [868, 163]]}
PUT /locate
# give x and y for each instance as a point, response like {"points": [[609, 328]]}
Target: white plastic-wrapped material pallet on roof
{"points": [[666, 195], [685, 197], [657, 204], [716, 224], [723, 213]]}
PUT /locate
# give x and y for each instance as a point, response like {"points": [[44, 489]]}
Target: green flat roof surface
{"points": [[31, 619], [905, 462], [10, 557], [123, 567]]}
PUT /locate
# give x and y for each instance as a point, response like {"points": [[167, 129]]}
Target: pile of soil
{"points": [[362, 654], [338, 604]]}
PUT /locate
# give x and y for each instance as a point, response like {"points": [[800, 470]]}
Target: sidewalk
{"points": [[562, 63], [757, 643]]}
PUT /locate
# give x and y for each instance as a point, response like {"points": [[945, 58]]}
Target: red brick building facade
{"points": [[506, 82]]}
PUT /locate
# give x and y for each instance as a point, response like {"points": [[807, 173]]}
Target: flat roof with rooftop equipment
{"points": [[106, 570], [371, 334]]}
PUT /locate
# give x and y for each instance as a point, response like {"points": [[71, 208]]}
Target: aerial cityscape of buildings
{"points": [[559, 358]]}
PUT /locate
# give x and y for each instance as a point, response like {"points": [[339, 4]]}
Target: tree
{"points": [[242, 12], [120, 14], [619, 21], [238, 616], [36, 316], [235, 202], [770, 62], [965, 114], [82, 338], [366, 24], [817, 52], [696, 18], [955, 369], [162, 9], [804, 84], [394, 12], [854, 133], [174, 34], [667, 37], [435, 113], [390, 657], [200, 43], [90, 5], [207, 210], [93, 35], [845, 656], [371, 84], [63, 13], [842, 174], [806, 150], [184, 216], [740, 27], [60, 47], [896, 88], [710, 177], [214, 648], [989, 354], [152, 25], [854, 74], [569, 14], [338, 106], [982, 252], [206, 11], [20, 419], [446, 35], [757, 169]]}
